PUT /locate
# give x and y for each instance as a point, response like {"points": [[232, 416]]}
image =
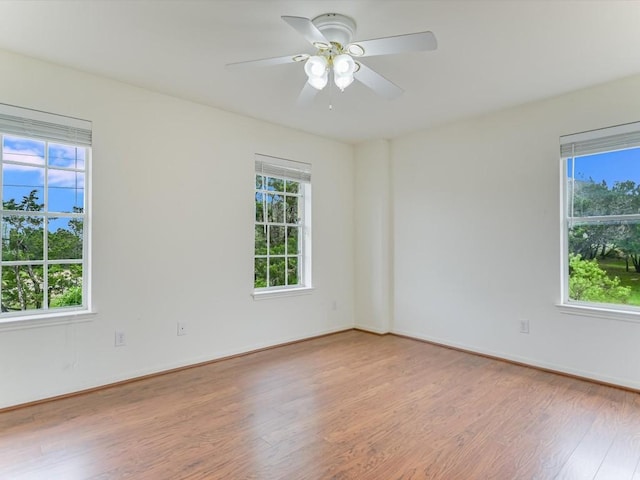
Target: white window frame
{"points": [[274, 167], [592, 142], [51, 128]]}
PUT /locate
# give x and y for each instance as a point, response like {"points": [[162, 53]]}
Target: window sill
{"points": [[283, 292], [46, 320], [604, 312]]}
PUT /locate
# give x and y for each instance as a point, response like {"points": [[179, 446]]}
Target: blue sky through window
{"points": [[618, 166], [24, 171]]}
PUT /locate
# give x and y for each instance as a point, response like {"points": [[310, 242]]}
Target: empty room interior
{"points": [[320, 239]]}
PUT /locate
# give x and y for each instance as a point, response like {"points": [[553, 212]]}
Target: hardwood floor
{"points": [[347, 406]]}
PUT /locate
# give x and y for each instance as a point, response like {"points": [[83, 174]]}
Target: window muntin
{"points": [[282, 224], [43, 217], [602, 219]]}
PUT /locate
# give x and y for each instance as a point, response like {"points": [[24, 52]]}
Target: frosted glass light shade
{"points": [[343, 69], [319, 82], [343, 64], [316, 66], [316, 69], [342, 81]]}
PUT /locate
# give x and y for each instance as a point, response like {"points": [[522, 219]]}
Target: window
{"points": [[601, 241], [43, 225], [282, 247]]}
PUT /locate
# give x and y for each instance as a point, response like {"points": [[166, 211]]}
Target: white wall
{"points": [[373, 251], [477, 237], [173, 236]]}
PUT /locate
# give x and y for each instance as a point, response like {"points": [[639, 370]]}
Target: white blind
{"points": [[25, 122], [281, 168], [603, 140]]}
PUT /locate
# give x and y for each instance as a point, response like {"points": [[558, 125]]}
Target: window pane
{"points": [[23, 150], [65, 238], [604, 263], [276, 240], [22, 237], [277, 271], [259, 182], [292, 209], [66, 156], [292, 270], [66, 191], [275, 184], [593, 240], [260, 272], [22, 187], [292, 187], [275, 208], [604, 184], [292, 240], [259, 207], [22, 287], [65, 285], [261, 240]]}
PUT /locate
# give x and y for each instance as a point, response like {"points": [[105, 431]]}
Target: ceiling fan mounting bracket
{"points": [[338, 29]]}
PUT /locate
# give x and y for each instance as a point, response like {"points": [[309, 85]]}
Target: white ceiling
{"points": [[491, 54]]}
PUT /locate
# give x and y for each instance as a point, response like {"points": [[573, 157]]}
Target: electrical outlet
{"points": [[182, 328], [524, 326], [120, 339]]}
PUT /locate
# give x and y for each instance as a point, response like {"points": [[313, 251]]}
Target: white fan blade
{"points": [[377, 82], [265, 62], [307, 29], [411, 42], [307, 94]]}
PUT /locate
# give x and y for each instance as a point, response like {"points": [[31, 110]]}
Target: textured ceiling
{"points": [[491, 54]]}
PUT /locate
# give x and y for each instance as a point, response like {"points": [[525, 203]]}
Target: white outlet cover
{"points": [[120, 339], [182, 328]]}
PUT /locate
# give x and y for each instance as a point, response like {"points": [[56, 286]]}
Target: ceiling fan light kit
{"points": [[331, 34], [338, 30]]}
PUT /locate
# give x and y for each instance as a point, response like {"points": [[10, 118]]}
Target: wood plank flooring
{"points": [[346, 406]]}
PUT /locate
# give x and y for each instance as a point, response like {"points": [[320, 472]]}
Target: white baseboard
{"points": [[369, 328]]}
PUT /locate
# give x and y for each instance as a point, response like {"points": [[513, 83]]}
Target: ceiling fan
{"points": [[331, 34]]}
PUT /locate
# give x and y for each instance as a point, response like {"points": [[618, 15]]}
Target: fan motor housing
{"points": [[335, 27]]}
